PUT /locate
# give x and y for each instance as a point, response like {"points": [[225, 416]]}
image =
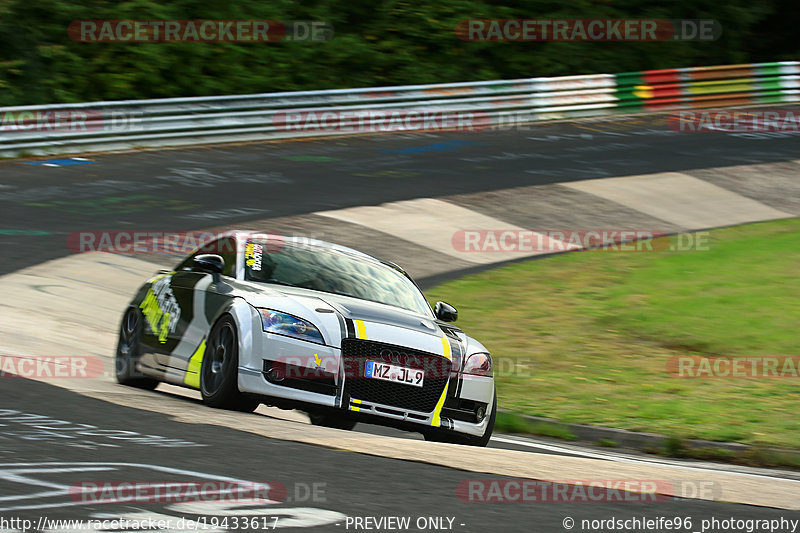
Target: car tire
{"points": [[130, 334], [331, 421], [467, 440], [219, 379]]}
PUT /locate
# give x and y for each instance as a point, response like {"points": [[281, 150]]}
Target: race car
{"points": [[304, 324]]}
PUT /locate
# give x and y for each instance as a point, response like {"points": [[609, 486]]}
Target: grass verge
{"points": [[514, 423], [588, 337]]}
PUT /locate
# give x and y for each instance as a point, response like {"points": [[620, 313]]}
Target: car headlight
{"points": [[291, 326], [479, 364]]}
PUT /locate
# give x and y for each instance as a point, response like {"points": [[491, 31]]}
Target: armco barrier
{"points": [[730, 85], [120, 125]]}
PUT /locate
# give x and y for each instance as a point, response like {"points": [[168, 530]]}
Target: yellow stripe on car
{"points": [[355, 407], [436, 421], [361, 329], [192, 377], [446, 347]]}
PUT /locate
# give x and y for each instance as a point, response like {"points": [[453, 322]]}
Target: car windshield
{"points": [[330, 270]]}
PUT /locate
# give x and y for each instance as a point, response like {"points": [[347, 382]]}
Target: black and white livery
{"points": [[300, 323]]}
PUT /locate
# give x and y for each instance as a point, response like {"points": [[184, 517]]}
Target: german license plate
{"points": [[394, 373]]}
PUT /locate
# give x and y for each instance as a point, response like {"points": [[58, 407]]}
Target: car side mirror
{"points": [[211, 263], [445, 312]]}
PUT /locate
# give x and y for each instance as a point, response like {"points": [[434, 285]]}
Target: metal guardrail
{"points": [[129, 124]]}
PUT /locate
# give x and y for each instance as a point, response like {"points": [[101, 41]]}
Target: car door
{"points": [[162, 312], [192, 290]]}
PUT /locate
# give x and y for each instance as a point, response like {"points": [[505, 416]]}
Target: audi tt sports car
{"points": [[300, 323]]}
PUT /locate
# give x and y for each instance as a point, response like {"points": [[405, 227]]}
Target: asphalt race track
{"points": [[322, 479], [320, 485], [174, 190]]}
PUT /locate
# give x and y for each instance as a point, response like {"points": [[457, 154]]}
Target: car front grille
{"points": [[357, 352]]}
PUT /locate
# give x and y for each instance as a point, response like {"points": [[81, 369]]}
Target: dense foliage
{"points": [[375, 43]]}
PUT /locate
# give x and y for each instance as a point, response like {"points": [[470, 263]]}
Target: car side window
{"points": [[224, 247]]}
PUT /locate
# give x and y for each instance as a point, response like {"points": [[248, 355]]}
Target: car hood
{"points": [[331, 313]]}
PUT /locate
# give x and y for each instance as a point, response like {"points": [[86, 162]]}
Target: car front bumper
{"points": [[322, 377]]}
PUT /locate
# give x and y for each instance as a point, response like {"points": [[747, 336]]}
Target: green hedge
{"points": [[375, 43]]}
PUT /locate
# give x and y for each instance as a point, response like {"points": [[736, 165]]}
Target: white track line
{"points": [[620, 459]]}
